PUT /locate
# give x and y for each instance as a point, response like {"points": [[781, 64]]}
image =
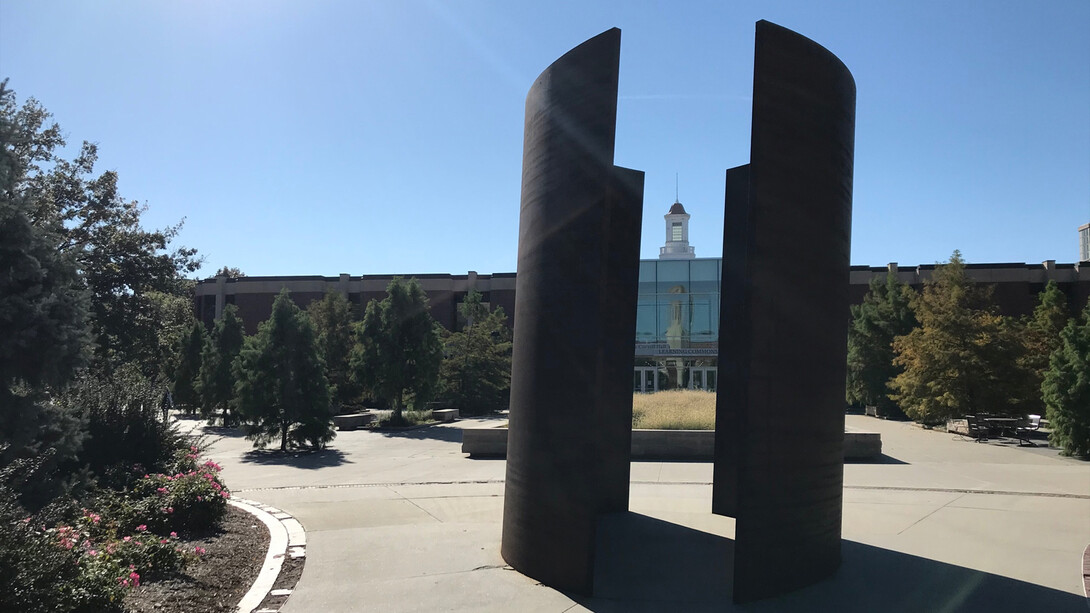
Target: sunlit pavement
{"points": [[405, 522]]}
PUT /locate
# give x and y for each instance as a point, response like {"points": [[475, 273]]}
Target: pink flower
{"points": [[198, 550], [92, 553], [170, 509], [162, 541], [127, 539], [174, 535], [193, 448], [162, 490], [142, 528]]}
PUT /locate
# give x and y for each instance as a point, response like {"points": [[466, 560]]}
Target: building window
{"points": [[675, 232]]}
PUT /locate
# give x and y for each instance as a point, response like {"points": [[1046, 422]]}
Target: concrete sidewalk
{"points": [[405, 522]]}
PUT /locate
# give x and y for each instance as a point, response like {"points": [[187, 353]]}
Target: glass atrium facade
{"points": [[677, 325]]}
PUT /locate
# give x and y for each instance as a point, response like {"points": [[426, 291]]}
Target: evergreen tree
{"points": [[964, 357], [1041, 338], [476, 370], [885, 314], [1066, 388], [216, 382], [43, 308], [282, 388], [188, 369], [332, 319], [399, 348]]}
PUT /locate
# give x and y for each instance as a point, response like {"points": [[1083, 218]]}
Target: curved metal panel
{"points": [[575, 304], [780, 415]]}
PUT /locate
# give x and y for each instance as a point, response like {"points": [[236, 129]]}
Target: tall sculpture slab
{"points": [[780, 409], [578, 265]]}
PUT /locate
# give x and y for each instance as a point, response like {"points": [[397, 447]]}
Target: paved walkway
{"points": [[406, 522]]}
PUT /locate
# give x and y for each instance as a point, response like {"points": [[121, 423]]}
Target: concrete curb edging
{"points": [[1086, 575], [286, 537]]}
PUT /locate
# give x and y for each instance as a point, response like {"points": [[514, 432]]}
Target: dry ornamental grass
{"points": [[674, 410]]}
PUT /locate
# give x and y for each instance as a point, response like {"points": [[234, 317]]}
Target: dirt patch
{"points": [[233, 556]]}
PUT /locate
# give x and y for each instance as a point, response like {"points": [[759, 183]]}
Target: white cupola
{"points": [[677, 235]]}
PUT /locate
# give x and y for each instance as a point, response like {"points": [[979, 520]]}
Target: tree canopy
{"points": [[282, 388], [43, 310], [120, 263], [188, 367], [963, 359], [1041, 337], [885, 314], [332, 319], [1066, 387], [399, 350], [476, 371], [216, 382]]}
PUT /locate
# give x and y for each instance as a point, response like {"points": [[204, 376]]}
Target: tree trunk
{"points": [[283, 436]]}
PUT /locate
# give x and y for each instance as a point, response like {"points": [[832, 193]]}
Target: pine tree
{"points": [[885, 314], [1041, 337], [43, 312], [282, 388], [216, 383], [1066, 388], [399, 349], [964, 357], [475, 374], [188, 367], [332, 319]]}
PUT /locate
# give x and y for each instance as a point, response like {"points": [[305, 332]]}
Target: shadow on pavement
{"points": [[646, 564], [432, 431], [299, 459], [229, 432], [881, 459]]}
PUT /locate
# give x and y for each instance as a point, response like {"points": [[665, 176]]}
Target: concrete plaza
{"points": [[405, 522]]}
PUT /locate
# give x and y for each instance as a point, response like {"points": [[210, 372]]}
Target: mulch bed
{"points": [[234, 555]]}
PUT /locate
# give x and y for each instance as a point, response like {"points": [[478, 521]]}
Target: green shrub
{"points": [[124, 419], [192, 497]]}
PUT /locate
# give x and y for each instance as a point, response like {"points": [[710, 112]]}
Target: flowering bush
{"points": [[53, 570], [192, 498]]}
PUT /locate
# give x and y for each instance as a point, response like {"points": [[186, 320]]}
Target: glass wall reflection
{"points": [[677, 325]]}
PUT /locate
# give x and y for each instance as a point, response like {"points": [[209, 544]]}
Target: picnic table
{"points": [[1013, 427]]}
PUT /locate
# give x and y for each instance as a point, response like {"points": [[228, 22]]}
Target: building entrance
{"points": [[703, 378], [645, 379]]}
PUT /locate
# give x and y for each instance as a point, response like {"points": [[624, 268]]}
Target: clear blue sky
{"points": [[374, 137]]}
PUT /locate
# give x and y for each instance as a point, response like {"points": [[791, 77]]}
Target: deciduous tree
{"points": [[282, 389], [399, 349], [230, 272], [120, 262], [963, 359]]}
